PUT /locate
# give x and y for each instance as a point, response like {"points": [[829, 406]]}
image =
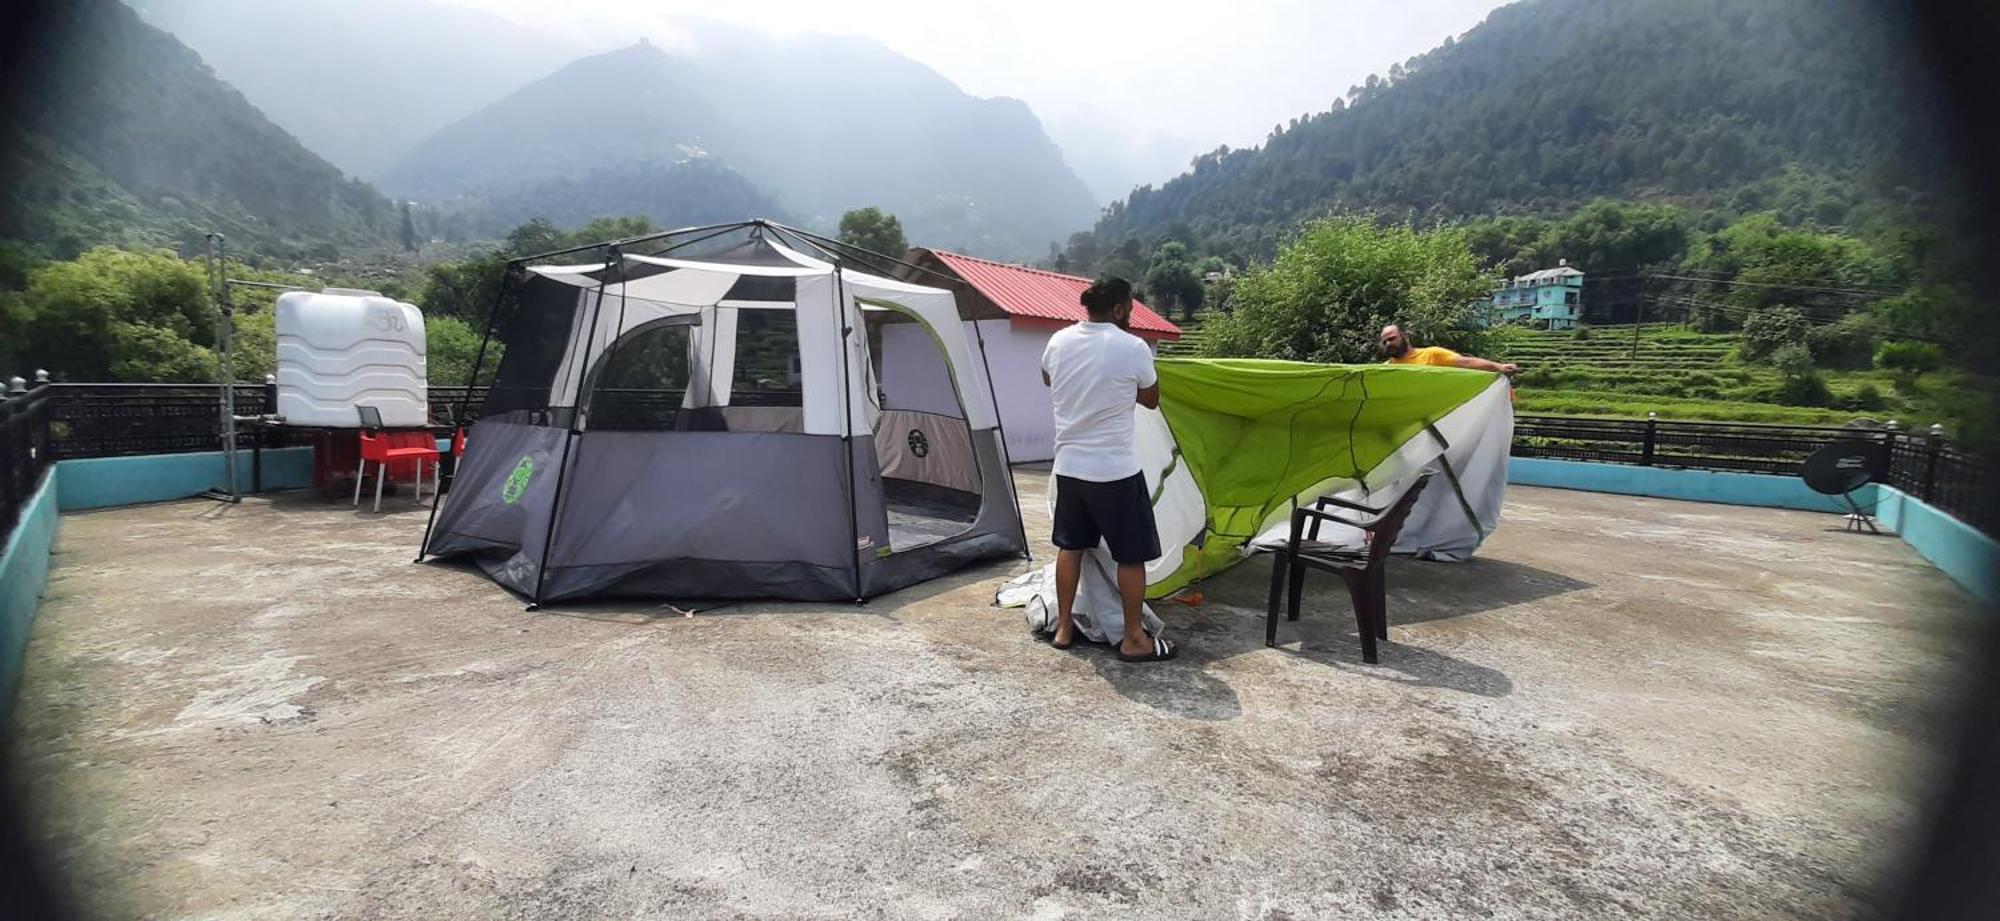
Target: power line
{"points": [[1742, 313], [1858, 292]]}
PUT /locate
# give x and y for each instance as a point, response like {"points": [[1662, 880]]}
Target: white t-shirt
{"points": [[1095, 371]]}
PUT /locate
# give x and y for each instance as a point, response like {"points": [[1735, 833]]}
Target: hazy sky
{"points": [[1203, 73]]}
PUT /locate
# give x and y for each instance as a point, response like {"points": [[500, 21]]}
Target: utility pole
{"points": [[1638, 320]]}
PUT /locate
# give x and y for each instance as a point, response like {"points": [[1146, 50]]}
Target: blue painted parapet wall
{"points": [[104, 482], [1759, 489], [1953, 546], [1969, 557], [24, 572]]}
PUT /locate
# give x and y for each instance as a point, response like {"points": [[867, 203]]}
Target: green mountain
{"points": [[1550, 103], [362, 81], [824, 123], [118, 133], [671, 193]]}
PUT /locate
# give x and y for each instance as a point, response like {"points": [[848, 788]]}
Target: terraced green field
{"points": [[1682, 374]]}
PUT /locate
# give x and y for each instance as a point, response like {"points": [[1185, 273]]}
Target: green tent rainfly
{"points": [[1253, 437]]}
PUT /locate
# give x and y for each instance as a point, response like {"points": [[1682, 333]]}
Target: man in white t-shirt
{"points": [[1096, 371]]}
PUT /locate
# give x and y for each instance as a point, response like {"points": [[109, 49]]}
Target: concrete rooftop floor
{"points": [[1625, 708]]}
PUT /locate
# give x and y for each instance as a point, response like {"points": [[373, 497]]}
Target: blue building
{"points": [[1548, 299]]}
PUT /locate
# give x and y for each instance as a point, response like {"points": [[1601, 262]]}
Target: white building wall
{"points": [[913, 377]]}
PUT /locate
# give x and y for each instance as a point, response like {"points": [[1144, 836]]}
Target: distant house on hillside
{"points": [[1015, 309], [1550, 298]]}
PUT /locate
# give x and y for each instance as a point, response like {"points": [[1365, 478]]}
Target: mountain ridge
{"points": [[1550, 103], [115, 132], [871, 129]]}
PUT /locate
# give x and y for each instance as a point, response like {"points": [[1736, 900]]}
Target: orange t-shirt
{"points": [[1434, 355]]}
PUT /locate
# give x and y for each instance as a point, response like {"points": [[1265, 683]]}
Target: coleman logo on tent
{"points": [[919, 445], [517, 482]]}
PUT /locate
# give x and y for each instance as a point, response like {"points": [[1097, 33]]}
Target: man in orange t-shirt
{"points": [[1396, 346]]}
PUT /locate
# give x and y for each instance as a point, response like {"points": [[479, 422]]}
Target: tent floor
{"points": [[914, 523]]}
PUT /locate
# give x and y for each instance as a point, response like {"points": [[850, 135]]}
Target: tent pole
{"points": [[850, 249], [507, 277], [611, 256], [979, 335], [847, 426], [684, 243], [1000, 428], [630, 241]]}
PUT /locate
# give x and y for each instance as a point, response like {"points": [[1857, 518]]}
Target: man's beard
{"points": [[1396, 352]]}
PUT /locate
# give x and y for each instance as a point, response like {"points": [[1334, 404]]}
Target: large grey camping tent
{"points": [[710, 426]]}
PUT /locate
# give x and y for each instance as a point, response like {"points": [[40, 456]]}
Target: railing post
{"points": [[1932, 447], [1652, 437]]}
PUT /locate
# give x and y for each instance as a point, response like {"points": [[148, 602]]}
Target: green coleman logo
{"points": [[517, 482]]}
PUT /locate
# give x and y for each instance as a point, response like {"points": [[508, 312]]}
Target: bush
{"points": [[1849, 343], [1865, 397], [1909, 359], [1771, 329], [1582, 333], [1807, 390], [1330, 290], [1802, 384], [1793, 361]]}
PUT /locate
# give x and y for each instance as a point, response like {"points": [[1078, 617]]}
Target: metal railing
{"points": [[24, 448], [47, 422], [1927, 465]]}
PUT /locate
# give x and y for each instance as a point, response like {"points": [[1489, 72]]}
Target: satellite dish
{"points": [[1843, 467]]}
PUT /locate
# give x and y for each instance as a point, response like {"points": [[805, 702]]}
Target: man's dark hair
{"points": [[1105, 294]]}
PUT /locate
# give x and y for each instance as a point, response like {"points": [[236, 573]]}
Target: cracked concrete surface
{"points": [[1623, 708]]}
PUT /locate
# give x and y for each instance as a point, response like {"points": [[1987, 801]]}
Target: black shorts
{"points": [[1119, 512]]}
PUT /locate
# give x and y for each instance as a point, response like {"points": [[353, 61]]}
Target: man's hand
{"points": [[1481, 364], [1509, 369]]}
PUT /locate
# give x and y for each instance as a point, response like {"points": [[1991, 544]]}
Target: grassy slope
{"points": [[1687, 375]]}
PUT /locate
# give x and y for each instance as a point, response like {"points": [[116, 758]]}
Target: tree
{"points": [[1800, 384], [452, 345], [465, 290], [1909, 360], [1769, 330], [1171, 281], [409, 230], [1333, 288], [126, 315], [872, 230], [536, 236]]}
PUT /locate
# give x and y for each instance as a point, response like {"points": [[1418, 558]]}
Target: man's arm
{"points": [[1149, 381], [1481, 364]]}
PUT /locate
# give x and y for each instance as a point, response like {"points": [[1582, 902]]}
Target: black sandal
{"points": [[1163, 649]]}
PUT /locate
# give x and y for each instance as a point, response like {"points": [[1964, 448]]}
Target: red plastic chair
{"points": [[385, 447]]}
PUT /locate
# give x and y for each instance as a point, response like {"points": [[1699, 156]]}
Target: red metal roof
{"points": [[1028, 292]]}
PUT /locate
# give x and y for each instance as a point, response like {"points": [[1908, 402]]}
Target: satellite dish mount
{"points": [[1842, 468]]}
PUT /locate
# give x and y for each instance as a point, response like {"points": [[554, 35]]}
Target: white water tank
{"points": [[340, 349]]}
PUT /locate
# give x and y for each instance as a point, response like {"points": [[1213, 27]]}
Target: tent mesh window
{"points": [[643, 382]]}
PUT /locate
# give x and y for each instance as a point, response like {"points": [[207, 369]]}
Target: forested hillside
{"points": [[118, 133], [1550, 103], [362, 81], [823, 123]]}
